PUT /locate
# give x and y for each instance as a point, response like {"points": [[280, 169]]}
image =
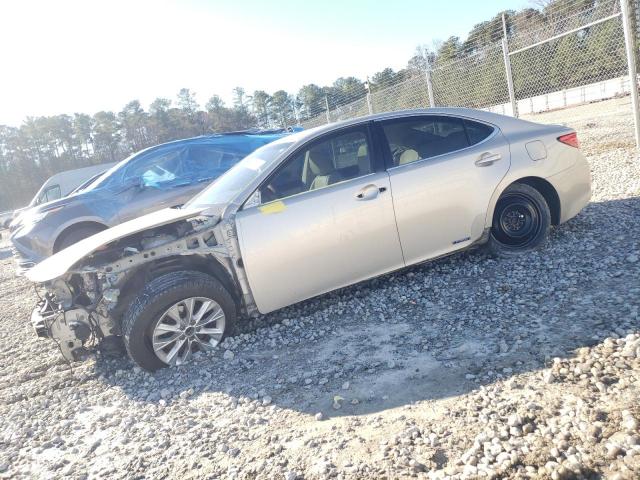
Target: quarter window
{"points": [[323, 163], [477, 131]]}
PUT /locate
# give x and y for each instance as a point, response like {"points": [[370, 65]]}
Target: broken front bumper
{"points": [[42, 316], [69, 329]]}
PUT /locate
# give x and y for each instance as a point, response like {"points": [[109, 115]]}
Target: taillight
{"points": [[570, 139]]}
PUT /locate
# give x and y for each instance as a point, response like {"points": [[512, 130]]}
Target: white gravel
{"points": [[468, 367]]}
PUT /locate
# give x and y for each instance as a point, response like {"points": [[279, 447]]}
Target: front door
{"points": [[326, 221]]}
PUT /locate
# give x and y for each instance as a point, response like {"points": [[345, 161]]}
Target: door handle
{"points": [[487, 159], [369, 192]]}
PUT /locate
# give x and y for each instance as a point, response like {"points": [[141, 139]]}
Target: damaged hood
{"points": [[60, 263]]}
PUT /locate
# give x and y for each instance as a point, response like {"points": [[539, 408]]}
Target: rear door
{"points": [[443, 171], [326, 221]]}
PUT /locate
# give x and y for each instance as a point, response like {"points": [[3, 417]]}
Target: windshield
{"points": [[104, 178], [225, 188], [86, 184], [182, 163]]}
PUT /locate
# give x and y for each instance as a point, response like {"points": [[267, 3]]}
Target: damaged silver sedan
{"points": [[307, 214]]}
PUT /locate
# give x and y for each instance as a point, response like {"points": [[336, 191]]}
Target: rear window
{"points": [[477, 131]]}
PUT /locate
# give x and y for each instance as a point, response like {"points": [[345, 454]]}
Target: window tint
{"points": [[477, 131], [329, 161], [424, 137]]}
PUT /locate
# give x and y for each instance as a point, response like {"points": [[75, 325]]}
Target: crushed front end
{"points": [[82, 308], [75, 313]]}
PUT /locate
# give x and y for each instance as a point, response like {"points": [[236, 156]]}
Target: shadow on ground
{"points": [[431, 331]]}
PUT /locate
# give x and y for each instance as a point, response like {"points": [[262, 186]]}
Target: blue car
{"points": [[158, 177]]}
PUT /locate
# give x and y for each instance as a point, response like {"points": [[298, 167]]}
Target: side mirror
{"points": [[134, 182], [254, 200]]}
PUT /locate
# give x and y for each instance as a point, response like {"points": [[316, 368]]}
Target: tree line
{"points": [[465, 72]]}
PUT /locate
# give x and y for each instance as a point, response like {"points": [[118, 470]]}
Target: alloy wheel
{"points": [[190, 325]]}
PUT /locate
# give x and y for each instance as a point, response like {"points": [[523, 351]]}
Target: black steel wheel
{"points": [[521, 220]]}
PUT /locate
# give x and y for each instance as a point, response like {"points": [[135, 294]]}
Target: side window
{"points": [[326, 162], [51, 193], [210, 161], [477, 131], [424, 137], [158, 167]]}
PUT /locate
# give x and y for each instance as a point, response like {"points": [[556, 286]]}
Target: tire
{"points": [[75, 235], [147, 311], [521, 221]]}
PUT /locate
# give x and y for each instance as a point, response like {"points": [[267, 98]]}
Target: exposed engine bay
{"points": [[82, 308]]}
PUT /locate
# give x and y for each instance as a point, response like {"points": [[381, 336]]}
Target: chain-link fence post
{"points": [[432, 102], [507, 67], [509, 75], [367, 87], [630, 46], [326, 104]]}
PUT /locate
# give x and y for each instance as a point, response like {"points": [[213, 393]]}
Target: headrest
{"points": [[408, 156], [321, 160]]}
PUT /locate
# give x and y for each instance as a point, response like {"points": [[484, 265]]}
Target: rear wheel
{"points": [[521, 221], [175, 316]]}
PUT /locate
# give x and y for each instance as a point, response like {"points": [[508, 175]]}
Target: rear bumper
{"points": [[574, 188]]}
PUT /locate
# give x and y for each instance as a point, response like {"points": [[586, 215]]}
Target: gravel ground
{"points": [[467, 367]]}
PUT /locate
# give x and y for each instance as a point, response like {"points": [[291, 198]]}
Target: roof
{"points": [[504, 122], [218, 137]]}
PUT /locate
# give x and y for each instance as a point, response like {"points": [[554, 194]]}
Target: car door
{"points": [[325, 221], [443, 171]]}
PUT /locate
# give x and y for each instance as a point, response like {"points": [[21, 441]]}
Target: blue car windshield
{"points": [[229, 185], [180, 163]]}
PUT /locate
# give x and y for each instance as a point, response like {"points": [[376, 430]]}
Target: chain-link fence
{"points": [[574, 53]]}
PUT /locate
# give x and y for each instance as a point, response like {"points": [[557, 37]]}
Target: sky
{"points": [[67, 56]]}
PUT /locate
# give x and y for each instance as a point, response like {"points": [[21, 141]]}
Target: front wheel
{"points": [[521, 221], [176, 315]]}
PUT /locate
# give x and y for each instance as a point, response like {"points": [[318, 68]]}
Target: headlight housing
{"points": [[31, 218]]}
